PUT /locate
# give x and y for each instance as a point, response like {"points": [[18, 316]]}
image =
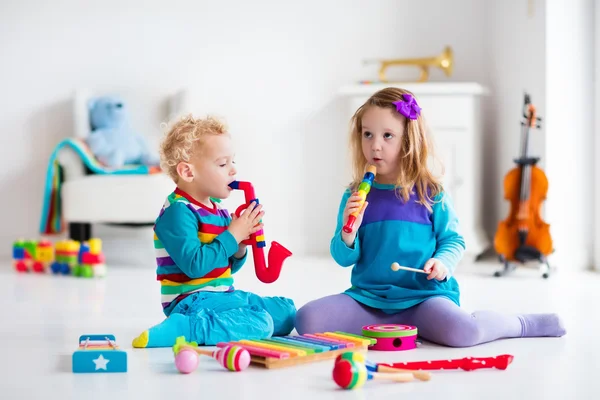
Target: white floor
{"points": [[44, 316]]}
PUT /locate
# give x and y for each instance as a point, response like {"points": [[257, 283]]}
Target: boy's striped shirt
{"points": [[174, 218]]}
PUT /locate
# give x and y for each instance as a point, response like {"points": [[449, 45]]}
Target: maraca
{"points": [[234, 358], [186, 360], [374, 367], [351, 374], [363, 189]]}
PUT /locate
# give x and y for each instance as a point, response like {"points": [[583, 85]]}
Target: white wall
{"points": [[272, 68], [570, 129], [549, 54], [596, 181], [516, 54]]}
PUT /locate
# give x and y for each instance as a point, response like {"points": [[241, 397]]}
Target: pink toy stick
{"points": [[467, 363]]}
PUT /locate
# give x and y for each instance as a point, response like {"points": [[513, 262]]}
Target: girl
{"points": [[406, 218]]}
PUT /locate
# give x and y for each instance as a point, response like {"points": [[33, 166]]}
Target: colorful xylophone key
{"points": [[284, 351]]}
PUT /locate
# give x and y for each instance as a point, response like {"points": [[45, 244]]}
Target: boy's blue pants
{"points": [[212, 317]]}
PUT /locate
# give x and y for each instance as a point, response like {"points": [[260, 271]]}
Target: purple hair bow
{"points": [[409, 107]]}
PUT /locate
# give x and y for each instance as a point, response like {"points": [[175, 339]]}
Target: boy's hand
{"points": [[247, 223], [436, 269], [353, 205], [241, 250]]}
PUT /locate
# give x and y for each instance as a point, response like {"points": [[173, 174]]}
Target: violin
{"points": [[524, 236]]}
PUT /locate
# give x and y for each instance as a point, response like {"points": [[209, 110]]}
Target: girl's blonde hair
{"points": [[415, 150], [183, 139]]}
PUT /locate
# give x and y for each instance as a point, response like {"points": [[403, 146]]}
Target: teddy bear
{"points": [[112, 140]]}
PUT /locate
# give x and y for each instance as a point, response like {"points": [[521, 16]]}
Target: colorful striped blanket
{"points": [[51, 219]]}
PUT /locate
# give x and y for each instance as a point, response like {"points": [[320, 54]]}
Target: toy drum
{"points": [[391, 337]]}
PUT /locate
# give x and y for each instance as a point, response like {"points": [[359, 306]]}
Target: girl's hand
{"points": [[436, 269], [353, 205]]}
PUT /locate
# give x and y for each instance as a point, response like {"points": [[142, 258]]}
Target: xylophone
{"points": [[99, 353], [286, 351]]}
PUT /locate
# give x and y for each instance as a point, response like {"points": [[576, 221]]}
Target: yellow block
{"points": [[72, 245], [44, 254], [95, 246]]}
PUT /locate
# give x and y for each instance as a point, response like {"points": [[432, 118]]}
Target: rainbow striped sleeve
{"points": [[194, 250]]}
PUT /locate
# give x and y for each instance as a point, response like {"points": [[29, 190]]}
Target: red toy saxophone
{"points": [[277, 253]]}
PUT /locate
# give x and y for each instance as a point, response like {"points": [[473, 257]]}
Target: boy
{"points": [[198, 247]]}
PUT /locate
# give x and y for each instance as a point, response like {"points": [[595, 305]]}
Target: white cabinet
{"points": [[453, 114]]}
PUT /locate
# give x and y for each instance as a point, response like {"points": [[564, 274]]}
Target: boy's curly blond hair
{"points": [[183, 139]]}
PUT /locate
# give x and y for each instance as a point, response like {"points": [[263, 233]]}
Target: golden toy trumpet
{"points": [[444, 61]]}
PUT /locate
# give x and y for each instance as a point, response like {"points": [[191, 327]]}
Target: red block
{"points": [[92, 258]]}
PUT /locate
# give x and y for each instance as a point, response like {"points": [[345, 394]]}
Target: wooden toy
{"points": [[99, 353], [374, 367], [90, 260], [19, 256], [363, 189], [285, 351], [66, 256], [277, 252], [44, 255], [22, 255], [233, 358], [350, 374], [468, 363], [391, 337], [32, 256]]}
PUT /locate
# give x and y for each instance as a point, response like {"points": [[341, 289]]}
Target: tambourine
{"points": [[391, 337]]}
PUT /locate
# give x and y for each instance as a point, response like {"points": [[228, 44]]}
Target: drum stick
{"points": [[396, 267]]}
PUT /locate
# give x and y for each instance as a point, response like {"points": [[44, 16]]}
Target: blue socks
{"points": [[165, 333]]}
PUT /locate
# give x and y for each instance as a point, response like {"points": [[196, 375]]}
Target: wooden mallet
{"points": [[395, 267]]}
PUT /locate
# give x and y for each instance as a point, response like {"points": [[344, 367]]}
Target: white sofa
{"points": [[129, 200]]}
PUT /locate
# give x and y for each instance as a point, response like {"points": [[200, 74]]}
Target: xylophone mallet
{"points": [[374, 367], [350, 374], [396, 267]]}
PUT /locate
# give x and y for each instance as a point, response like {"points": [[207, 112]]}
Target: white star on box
{"points": [[101, 362]]}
